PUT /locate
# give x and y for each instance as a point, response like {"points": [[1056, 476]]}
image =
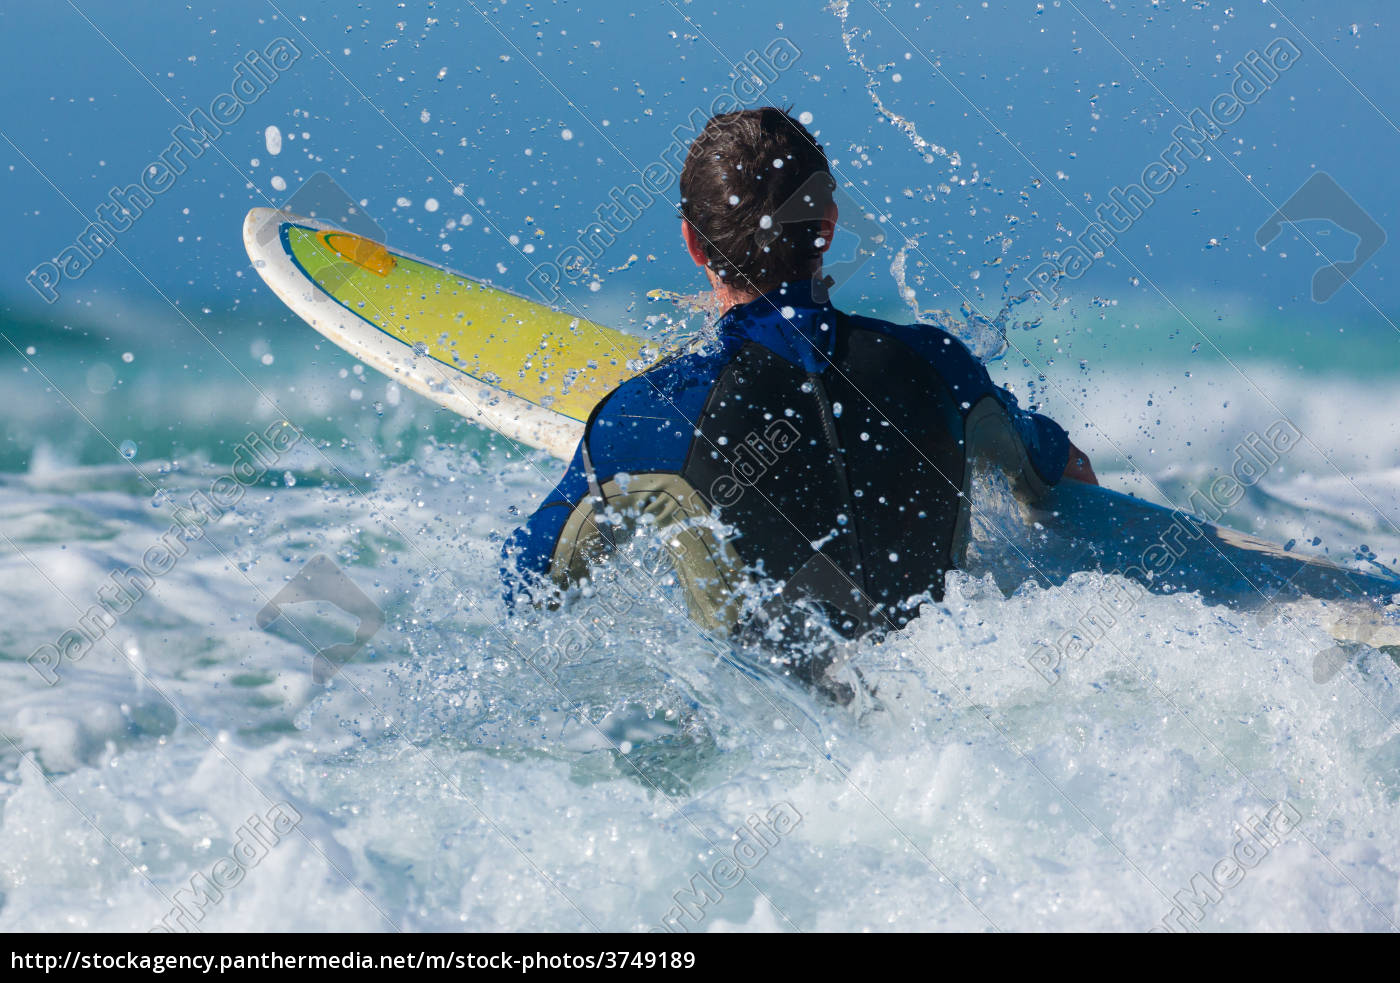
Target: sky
{"points": [[487, 135]]}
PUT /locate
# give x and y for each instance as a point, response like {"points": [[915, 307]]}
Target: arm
{"points": [[633, 429], [528, 555], [1048, 456], [1033, 448]]}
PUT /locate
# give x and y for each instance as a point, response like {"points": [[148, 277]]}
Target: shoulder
{"points": [[926, 339], [945, 352], [648, 422]]}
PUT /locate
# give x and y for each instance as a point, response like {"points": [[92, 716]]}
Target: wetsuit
{"points": [[819, 457]]}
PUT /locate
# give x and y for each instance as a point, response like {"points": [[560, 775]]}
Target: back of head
{"points": [[755, 187]]}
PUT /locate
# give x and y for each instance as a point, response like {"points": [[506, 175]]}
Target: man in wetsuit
{"points": [[808, 468]]}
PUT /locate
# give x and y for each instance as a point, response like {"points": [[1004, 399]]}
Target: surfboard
{"points": [[512, 365], [533, 374], [1173, 551]]}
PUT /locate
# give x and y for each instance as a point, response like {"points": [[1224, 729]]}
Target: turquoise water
{"points": [[442, 781]]}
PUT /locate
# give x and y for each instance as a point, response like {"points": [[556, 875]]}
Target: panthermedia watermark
{"points": [[253, 75], [750, 459], [615, 590], [252, 842], [1256, 838], [252, 458], [1322, 199], [322, 580], [748, 847], [574, 263], [1253, 76], [321, 198], [865, 233], [1122, 589]]}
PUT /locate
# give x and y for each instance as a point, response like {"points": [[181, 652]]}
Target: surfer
{"points": [[809, 470]]}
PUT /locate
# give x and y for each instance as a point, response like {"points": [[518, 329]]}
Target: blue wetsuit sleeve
{"points": [[1046, 442], [528, 553]]}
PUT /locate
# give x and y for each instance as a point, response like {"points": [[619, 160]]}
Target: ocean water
{"points": [[179, 765], [579, 770]]}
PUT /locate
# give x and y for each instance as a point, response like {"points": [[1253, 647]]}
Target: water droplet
{"points": [[128, 449], [289, 479]]}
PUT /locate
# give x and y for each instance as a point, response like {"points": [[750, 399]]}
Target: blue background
{"points": [[1086, 94]]}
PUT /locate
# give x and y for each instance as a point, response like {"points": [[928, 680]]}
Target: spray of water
{"points": [[929, 149], [985, 337]]}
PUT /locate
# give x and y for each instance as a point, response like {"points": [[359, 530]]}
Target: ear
{"points": [[693, 243], [828, 226]]}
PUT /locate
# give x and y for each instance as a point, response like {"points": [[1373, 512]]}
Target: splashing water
{"points": [[930, 150], [985, 337], [444, 783]]}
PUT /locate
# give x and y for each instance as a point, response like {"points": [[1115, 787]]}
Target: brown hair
{"points": [[755, 186]]}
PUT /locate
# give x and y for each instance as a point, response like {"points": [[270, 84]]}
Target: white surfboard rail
{"points": [[505, 413]]}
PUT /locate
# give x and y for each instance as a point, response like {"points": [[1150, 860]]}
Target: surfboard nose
{"points": [[261, 225]]}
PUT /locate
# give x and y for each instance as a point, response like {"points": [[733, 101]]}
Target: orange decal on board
{"points": [[361, 251]]}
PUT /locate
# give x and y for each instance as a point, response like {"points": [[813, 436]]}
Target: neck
{"points": [[728, 296]]}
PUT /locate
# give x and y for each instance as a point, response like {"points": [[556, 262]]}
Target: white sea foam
{"points": [[444, 784]]}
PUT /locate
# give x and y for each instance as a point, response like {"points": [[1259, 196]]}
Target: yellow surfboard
{"points": [[510, 364]]}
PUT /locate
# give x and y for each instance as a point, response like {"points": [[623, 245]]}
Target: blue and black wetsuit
{"points": [[819, 456]]}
